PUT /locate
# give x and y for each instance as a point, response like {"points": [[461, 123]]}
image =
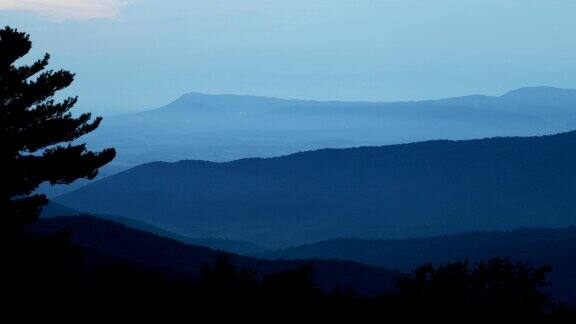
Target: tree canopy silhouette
{"points": [[497, 288], [37, 133]]}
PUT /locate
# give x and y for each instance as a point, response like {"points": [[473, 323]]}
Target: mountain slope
{"points": [[556, 247], [121, 242], [417, 189], [233, 246], [228, 127]]}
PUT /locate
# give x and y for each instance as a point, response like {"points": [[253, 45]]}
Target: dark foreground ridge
{"points": [[118, 241], [94, 266], [554, 246], [233, 246]]}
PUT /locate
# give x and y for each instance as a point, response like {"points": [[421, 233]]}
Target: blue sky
{"points": [[137, 54]]}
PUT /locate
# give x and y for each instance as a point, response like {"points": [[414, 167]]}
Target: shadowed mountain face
{"points": [[233, 246], [104, 237], [228, 127], [556, 247], [397, 191]]}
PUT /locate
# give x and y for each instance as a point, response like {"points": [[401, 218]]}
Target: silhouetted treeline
{"points": [[49, 273], [528, 244]]}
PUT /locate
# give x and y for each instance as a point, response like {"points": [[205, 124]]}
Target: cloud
{"points": [[68, 9]]}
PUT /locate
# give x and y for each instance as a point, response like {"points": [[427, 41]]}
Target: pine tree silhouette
{"points": [[37, 134]]}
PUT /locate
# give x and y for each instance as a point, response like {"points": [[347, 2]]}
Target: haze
{"points": [[143, 54]]}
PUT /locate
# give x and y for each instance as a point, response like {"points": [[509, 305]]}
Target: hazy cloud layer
{"points": [[67, 9]]}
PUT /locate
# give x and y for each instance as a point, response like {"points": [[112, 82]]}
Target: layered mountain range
{"points": [[397, 191]]}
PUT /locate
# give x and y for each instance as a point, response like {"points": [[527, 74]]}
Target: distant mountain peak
{"points": [[226, 103], [538, 91], [196, 94]]}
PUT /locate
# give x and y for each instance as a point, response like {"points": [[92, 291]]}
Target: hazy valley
{"points": [[361, 161]]}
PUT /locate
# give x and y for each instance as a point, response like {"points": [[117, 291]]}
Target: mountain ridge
{"points": [[124, 243], [516, 93], [554, 246], [229, 127], [52, 210], [493, 183]]}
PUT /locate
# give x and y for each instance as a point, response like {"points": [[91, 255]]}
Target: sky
{"points": [[131, 55]]}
